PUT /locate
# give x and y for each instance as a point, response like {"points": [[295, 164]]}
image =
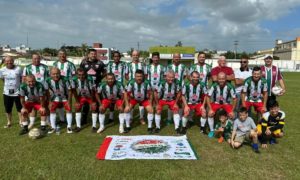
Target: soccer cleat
{"points": [[69, 130], [94, 129], [52, 130], [157, 130], [221, 139], [110, 121], [255, 148], [177, 131], [183, 130], [43, 130], [211, 134], [77, 129], [273, 141], [127, 129], [150, 131], [24, 130], [121, 129], [100, 130]]}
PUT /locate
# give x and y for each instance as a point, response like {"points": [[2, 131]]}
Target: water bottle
{"points": [[57, 130]]}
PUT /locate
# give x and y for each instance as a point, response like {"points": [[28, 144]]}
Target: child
{"points": [[244, 128], [223, 128], [271, 124]]}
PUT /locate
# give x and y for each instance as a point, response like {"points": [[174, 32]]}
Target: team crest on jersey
{"points": [[176, 75], [97, 66], [86, 66], [38, 75], [194, 97], [150, 146], [91, 72], [139, 95], [155, 75]]}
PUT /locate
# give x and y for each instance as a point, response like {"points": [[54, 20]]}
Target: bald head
{"points": [[55, 74], [176, 58], [135, 55], [221, 78]]}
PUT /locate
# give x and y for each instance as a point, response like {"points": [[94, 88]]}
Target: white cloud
{"points": [[121, 24]]}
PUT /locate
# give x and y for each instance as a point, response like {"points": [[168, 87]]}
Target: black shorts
{"points": [[9, 103]]}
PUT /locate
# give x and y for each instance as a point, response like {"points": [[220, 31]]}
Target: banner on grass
{"points": [[145, 147]]}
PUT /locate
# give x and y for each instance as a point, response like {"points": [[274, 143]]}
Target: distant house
{"points": [[166, 54], [289, 50]]}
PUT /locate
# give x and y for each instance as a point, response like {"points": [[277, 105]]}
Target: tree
{"points": [[179, 44]]}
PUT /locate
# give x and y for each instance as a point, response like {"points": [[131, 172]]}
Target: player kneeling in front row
{"points": [[139, 92], [221, 93], [192, 96], [168, 93], [255, 92], [223, 129], [84, 93], [34, 93], [271, 124], [244, 129], [60, 92], [110, 93]]}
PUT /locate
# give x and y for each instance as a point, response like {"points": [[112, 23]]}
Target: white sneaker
{"points": [[69, 130], [101, 129], [121, 129]]}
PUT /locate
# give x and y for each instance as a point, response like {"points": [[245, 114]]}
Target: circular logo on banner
{"points": [[150, 146]]}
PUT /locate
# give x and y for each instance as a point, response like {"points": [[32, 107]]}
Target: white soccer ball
{"points": [[34, 133], [276, 90]]}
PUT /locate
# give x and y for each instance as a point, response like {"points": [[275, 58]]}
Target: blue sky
{"points": [[216, 24]]}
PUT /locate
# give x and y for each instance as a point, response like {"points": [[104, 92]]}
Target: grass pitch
{"points": [[72, 156]]}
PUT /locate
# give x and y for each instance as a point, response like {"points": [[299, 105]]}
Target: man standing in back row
{"points": [[273, 75], [96, 69]]}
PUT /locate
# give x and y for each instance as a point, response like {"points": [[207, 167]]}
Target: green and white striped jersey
{"points": [[155, 74], [254, 91], [40, 72], [111, 92], [132, 67], [83, 88], [118, 70], [138, 91], [221, 95], [169, 91], [32, 94], [180, 71], [204, 71], [58, 90], [193, 94], [67, 69]]}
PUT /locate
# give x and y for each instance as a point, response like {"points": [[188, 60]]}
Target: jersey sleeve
{"points": [[72, 68], [279, 75], [1, 73], [129, 87], [232, 92], [21, 91], [24, 71]]}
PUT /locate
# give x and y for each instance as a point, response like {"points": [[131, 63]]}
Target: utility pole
{"points": [[236, 43], [27, 40], [138, 46]]}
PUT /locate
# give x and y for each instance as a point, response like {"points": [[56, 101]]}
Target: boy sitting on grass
{"points": [[244, 128], [223, 128], [271, 125]]}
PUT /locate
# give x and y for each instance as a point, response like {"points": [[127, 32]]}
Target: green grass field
{"points": [[72, 156]]}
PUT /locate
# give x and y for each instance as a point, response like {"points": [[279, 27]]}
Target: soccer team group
{"points": [[219, 96]]}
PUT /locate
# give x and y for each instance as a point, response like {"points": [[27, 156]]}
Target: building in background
{"points": [[289, 50], [166, 54]]}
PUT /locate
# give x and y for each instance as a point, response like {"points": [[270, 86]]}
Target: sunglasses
{"points": [[244, 62]]}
